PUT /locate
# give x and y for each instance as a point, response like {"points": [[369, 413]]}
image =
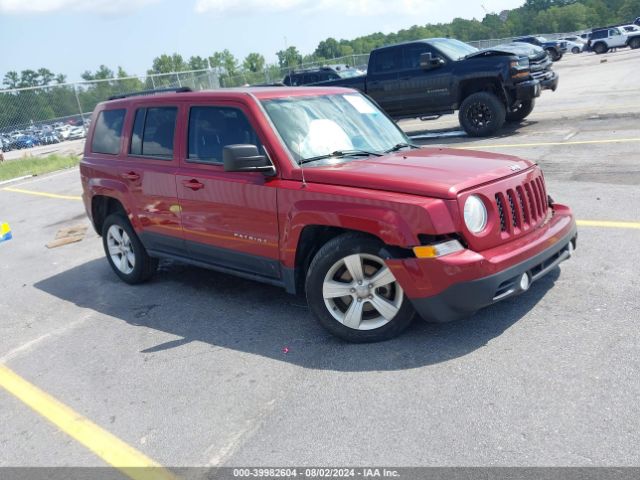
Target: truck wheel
{"points": [[353, 293], [482, 114], [575, 50], [125, 253], [600, 48], [635, 43], [522, 111], [554, 54]]}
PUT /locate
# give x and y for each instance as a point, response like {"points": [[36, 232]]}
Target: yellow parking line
{"points": [[42, 194], [547, 144], [607, 224], [109, 448]]}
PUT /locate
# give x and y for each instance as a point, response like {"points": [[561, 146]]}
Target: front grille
{"points": [[541, 68], [522, 207]]}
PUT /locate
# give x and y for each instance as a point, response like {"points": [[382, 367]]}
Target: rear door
{"points": [[424, 90], [229, 219], [149, 169], [382, 79]]}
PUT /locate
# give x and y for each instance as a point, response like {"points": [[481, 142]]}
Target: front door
{"points": [[424, 90], [229, 219]]}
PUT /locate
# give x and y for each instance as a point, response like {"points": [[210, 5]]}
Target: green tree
{"points": [[225, 61], [254, 62], [289, 58], [197, 63], [168, 64], [11, 79]]}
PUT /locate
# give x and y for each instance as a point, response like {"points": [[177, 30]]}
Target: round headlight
{"points": [[475, 214]]}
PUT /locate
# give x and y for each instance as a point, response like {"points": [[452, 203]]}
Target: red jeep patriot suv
{"points": [[318, 191]]}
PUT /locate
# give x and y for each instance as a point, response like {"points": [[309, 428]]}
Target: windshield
{"points": [[541, 39], [454, 49], [316, 126], [349, 73]]}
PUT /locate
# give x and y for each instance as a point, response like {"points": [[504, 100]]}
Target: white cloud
{"points": [[345, 7], [51, 6]]}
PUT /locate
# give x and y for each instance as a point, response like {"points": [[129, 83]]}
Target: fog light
{"points": [[525, 282]]}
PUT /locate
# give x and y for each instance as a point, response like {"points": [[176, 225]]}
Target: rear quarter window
{"points": [[153, 132], [108, 132]]}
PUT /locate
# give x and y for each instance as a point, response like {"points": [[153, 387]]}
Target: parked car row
{"points": [[42, 135], [603, 39]]}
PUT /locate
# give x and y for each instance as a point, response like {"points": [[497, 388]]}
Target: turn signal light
{"points": [[438, 249]]}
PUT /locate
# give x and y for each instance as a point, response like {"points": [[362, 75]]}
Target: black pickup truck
{"points": [[428, 78], [555, 48]]}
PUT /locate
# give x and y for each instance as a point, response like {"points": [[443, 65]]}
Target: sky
{"points": [[71, 36]]}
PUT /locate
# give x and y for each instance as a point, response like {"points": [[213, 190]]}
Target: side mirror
{"points": [[245, 158], [427, 62]]}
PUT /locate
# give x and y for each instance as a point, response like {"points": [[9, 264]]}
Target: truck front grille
{"points": [[523, 206]]}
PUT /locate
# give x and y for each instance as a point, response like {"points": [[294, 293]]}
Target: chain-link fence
{"points": [[55, 113]]}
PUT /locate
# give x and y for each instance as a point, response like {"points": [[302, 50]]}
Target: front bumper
{"points": [[550, 83], [527, 90], [468, 281]]}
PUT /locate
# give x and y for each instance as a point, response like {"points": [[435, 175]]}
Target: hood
{"points": [[518, 49], [433, 172]]}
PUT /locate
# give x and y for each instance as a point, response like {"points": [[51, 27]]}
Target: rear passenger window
{"points": [[153, 131], [386, 60], [108, 132], [212, 128]]}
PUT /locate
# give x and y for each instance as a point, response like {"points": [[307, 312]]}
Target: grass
{"points": [[36, 165]]}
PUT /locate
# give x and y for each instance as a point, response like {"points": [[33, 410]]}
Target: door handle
{"points": [[193, 184], [133, 176]]}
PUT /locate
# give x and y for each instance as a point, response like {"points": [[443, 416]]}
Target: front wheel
{"points": [[125, 253], [482, 114], [353, 293], [575, 50], [521, 111]]}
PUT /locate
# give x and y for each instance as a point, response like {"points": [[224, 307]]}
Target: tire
{"points": [[356, 316], [521, 112], [600, 48], [575, 50], [482, 114], [554, 54], [125, 253], [634, 43]]}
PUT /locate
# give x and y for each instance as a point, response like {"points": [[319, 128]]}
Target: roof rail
{"points": [[151, 92]]}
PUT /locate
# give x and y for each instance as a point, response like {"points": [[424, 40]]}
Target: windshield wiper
{"points": [[400, 146], [341, 153]]}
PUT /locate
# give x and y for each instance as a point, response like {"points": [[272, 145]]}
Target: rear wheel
{"points": [[482, 114], [575, 50], [635, 43], [600, 48], [354, 294], [125, 253], [521, 111]]}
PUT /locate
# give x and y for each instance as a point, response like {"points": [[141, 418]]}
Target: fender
{"points": [[389, 222], [113, 189]]}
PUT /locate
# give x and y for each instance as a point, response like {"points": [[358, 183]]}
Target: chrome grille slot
{"points": [[512, 206], [503, 220]]}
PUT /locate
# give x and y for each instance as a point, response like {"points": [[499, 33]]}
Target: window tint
{"points": [[108, 132], [599, 34], [311, 78], [153, 131], [411, 55], [386, 60], [212, 128]]}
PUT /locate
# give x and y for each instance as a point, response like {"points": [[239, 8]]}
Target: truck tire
{"points": [[634, 43], [482, 114], [522, 111], [575, 50], [126, 254], [352, 292], [600, 48], [554, 54]]}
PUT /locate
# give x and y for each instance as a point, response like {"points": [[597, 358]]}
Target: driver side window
{"points": [[411, 55]]}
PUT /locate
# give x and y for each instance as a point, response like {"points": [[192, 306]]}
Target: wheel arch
{"points": [[486, 84]]}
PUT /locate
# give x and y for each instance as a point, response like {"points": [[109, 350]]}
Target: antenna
{"points": [[485, 10], [304, 182]]}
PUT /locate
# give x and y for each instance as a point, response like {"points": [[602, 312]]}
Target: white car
{"points": [[574, 46], [76, 133], [63, 131]]}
